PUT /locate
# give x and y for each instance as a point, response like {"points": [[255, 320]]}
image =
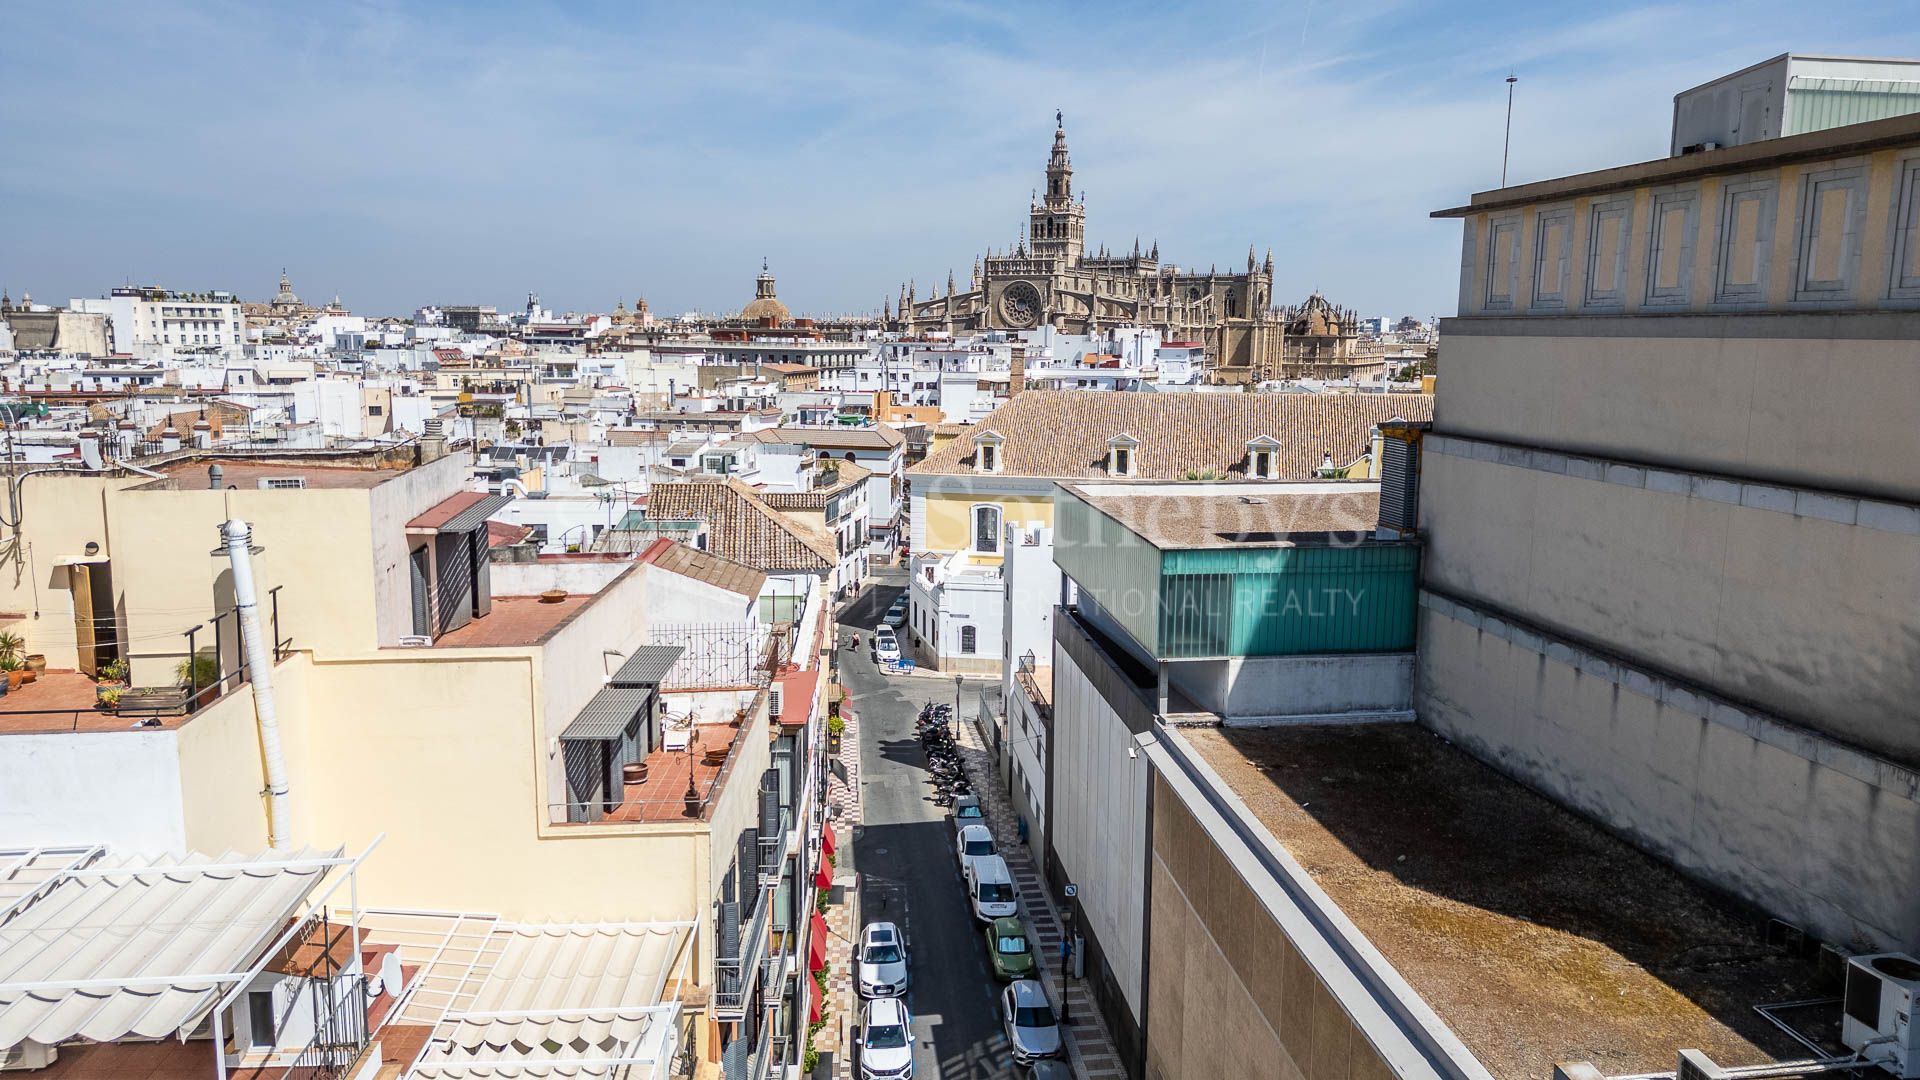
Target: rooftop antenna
{"points": [[1506, 144]]}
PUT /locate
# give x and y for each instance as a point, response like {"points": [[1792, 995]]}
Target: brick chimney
{"points": [[1017, 370]]}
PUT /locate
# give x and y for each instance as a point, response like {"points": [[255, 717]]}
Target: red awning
{"points": [[826, 838], [817, 946], [823, 878], [813, 1009]]}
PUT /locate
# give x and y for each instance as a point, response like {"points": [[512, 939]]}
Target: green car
{"points": [[1011, 952]]}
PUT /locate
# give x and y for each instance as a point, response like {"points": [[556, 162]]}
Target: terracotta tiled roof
{"points": [[879, 437], [743, 528], [1064, 433], [705, 566]]}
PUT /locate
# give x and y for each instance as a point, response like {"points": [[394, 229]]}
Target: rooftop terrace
{"points": [[1205, 515], [191, 474], [515, 620], [1533, 934]]}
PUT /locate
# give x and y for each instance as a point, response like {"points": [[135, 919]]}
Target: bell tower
{"points": [[1058, 224]]}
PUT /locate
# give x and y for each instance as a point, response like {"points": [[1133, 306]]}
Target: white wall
{"points": [[1273, 687], [116, 787]]}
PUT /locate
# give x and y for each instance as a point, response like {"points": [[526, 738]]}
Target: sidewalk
{"points": [[1088, 1045], [843, 920]]}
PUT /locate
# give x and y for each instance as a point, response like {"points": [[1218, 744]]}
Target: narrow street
{"points": [[905, 855]]}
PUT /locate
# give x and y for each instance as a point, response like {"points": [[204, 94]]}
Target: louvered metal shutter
{"points": [[1399, 484], [733, 1060], [482, 573], [749, 866], [454, 559], [586, 777], [769, 816]]}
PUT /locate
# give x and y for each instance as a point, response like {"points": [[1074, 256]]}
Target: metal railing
{"points": [[734, 977], [773, 851], [339, 1031]]}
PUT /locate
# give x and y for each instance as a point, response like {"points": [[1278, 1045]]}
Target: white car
{"points": [[883, 961], [967, 811], [886, 1040], [896, 616], [975, 841], [1027, 1017], [886, 648], [990, 889]]}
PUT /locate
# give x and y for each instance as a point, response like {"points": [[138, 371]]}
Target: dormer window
{"points": [[1263, 457], [1121, 452], [986, 452]]}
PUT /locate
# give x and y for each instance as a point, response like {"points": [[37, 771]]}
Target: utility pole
{"points": [[1506, 144]]}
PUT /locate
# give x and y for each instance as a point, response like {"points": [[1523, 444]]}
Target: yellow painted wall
{"points": [[168, 579], [949, 515], [60, 515], [223, 775]]}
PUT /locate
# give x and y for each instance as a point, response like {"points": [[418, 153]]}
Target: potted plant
{"points": [[11, 647], [16, 674], [200, 675], [107, 698], [836, 726]]}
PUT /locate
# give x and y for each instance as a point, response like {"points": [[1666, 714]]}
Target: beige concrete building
{"points": [[1673, 520]]}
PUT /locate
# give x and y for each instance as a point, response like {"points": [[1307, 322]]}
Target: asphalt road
{"points": [[904, 852]]}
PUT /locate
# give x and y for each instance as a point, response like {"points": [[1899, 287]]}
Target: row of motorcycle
{"points": [[944, 771]]}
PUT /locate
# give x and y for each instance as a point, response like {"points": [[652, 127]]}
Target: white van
{"points": [[990, 889]]}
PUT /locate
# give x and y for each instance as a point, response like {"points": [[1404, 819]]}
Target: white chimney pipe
{"points": [[260, 664]]}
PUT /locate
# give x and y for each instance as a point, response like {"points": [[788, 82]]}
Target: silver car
{"points": [[1028, 1019], [883, 961]]}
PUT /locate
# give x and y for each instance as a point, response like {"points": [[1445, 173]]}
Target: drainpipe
{"points": [[246, 604]]}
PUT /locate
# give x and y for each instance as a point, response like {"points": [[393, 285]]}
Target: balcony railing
{"points": [[735, 976]]}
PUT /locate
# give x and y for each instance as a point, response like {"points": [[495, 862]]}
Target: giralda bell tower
{"points": [[1059, 224]]}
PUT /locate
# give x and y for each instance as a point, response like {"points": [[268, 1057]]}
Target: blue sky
{"points": [[407, 154]]}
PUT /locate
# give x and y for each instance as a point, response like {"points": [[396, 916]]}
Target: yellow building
{"points": [[582, 739]]}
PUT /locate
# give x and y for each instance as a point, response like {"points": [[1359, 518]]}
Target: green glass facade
{"points": [[1240, 601]]}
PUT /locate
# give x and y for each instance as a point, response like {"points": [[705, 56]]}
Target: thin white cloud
{"points": [[406, 156]]}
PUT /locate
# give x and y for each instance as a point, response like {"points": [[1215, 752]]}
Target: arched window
{"points": [[986, 530], [967, 639]]}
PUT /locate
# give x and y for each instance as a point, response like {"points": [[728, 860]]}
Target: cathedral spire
{"points": [[1268, 267], [1059, 166], [950, 289], [1250, 263]]}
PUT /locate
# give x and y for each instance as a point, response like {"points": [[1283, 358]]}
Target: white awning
{"points": [[104, 946], [538, 1000]]}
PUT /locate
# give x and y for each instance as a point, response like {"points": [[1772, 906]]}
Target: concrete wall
{"points": [[1099, 822], [675, 598], [579, 576], [117, 787], [1230, 992], [1809, 619], [1817, 399], [1272, 687], [1820, 836]]}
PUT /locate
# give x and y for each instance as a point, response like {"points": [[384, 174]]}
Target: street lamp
{"points": [[957, 688]]}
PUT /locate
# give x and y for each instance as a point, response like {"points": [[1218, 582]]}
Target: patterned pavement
{"points": [[1088, 1044], [843, 811]]}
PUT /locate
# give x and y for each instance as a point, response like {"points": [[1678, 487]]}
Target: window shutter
{"points": [[1399, 484]]}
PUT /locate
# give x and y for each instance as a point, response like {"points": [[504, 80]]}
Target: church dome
{"points": [[765, 305]]}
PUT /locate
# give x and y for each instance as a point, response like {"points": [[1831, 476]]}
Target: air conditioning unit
{"points": [[28, 1055], [279, 483], [1877, 1017]]}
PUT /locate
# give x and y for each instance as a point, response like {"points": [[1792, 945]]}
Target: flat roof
{"points": [[1264, 514], [1536, 936], [515, 620], [1895, 131], [192, 474]]}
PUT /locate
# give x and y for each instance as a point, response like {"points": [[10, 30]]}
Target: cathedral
{"points": [[1050, 279]]}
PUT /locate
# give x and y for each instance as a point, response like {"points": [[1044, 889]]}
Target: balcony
{"points": [[738, 972]]}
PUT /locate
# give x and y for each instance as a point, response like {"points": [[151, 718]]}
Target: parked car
{"points": [[990, 889], [974, 841], [1027, 1017], [886, 1040], [883, 961], [1009, 948], [896, 616], [966, 811], [886, 647]]}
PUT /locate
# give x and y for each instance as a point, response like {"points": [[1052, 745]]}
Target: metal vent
{"points": [[280, 483], [1399, 484]]}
